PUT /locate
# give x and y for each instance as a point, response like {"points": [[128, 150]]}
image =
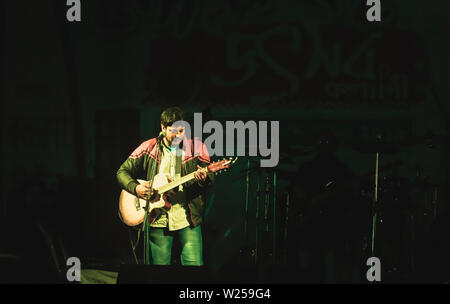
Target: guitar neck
{"points": [[176, 183]]}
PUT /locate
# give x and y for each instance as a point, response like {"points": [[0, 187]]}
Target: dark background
{"points": [[81, 96]]}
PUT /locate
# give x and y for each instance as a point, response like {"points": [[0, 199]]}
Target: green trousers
{"points": [[161, 241]]}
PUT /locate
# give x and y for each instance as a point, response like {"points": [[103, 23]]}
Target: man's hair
{"points": [[171, 115]]}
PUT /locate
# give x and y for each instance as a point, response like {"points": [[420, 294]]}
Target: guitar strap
{"points": [[178, 161]]}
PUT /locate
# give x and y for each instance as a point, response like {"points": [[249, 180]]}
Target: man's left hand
{"points": [[200, 175]]}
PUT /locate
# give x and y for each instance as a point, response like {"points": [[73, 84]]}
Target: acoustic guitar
{"points": [[132, 208]]}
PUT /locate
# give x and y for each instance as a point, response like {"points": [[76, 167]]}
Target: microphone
{"points": [[161, 135]]}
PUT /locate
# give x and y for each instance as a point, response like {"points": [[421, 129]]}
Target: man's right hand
{"points": [[142, 191]]}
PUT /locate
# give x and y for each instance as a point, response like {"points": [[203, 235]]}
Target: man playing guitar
{"points": [[181, 213]]}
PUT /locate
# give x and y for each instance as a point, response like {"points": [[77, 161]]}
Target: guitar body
{"points": [[132, 208]]}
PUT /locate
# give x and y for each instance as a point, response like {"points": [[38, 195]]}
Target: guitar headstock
{"points": [[221, 165]]}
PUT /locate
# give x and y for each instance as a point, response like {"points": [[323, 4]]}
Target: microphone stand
{"points": [[274, 219], [244, 251], [247, 182], [286, 222], [145, 223], [265, 239], [375, 204], [257, 219]]}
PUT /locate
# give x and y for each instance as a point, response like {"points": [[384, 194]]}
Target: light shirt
{"points": [[176, 217]]}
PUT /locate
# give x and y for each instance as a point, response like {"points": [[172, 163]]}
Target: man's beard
{"points": [[176, 142]]}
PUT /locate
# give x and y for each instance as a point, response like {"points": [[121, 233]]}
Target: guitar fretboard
{"points": [[176, 183]]}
